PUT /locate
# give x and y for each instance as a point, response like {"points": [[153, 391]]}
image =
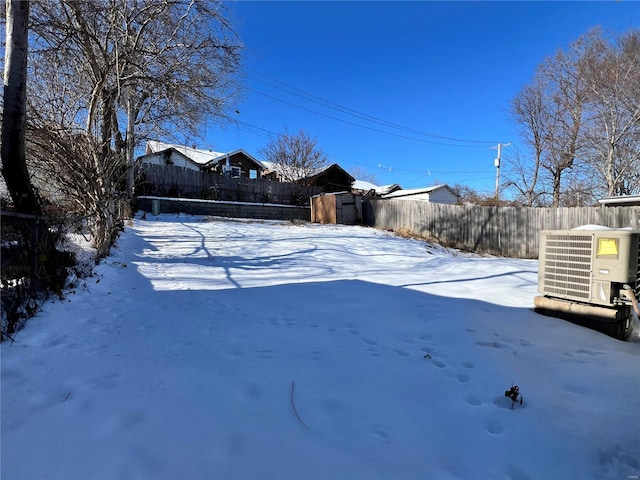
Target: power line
{"points": [[362, 126], [265, 133], [350, 111]]}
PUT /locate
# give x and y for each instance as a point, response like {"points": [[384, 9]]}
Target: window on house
{"points": [[253, 174]]}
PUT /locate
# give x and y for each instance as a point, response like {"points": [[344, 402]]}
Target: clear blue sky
{"points": [[347, 72]]}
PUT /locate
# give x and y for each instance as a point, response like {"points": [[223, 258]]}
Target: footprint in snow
{"points": [[495, 427], [473, 400], [381, 433]]}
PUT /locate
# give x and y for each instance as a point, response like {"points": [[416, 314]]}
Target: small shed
{"points": [[343, 208]]}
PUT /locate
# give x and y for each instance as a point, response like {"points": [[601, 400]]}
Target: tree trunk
{"points": [[557, 187], [14, 165], [130, 144]]}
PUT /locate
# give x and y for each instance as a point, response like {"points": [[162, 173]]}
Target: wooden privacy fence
{"points": [[172, 181], [194, 206], [504, 231]]}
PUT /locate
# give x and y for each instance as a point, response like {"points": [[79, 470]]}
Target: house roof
{"points": [[238, 151], [362, 185], [366, 186], [389, 188], [199, 156], [418, 191], [621, 200], [333, 166], [274, 167]]}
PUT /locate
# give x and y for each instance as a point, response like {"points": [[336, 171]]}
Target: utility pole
{"points": [[497, 164]]}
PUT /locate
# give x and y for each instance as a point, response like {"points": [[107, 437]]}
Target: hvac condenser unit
{"points": [[594, 274]]}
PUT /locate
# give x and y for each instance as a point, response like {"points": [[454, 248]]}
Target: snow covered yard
{"points": [[212, 349]]}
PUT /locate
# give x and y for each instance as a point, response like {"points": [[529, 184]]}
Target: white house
{"points": [[434, 194]]}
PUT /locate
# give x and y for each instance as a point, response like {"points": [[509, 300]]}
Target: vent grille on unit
{"points": [[567, 268]]}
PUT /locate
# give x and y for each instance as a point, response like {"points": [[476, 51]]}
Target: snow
{"points": [[600, 227], [199, 342], [199, 156]]}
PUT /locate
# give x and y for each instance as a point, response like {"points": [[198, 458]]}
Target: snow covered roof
{"points": [[274, 167], [269, 166], [198, 156], [417, 191], [362, 185], [389, 188], [366, 186]]}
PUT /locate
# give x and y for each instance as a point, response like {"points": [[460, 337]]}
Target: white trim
{"points": [[624, 199]]}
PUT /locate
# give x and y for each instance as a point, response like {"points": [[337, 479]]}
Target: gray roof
{"points": [[417, 191], [620, 200]]}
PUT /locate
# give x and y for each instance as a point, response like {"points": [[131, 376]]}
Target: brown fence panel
{"points": [[505, 231], [172, 181], [192, 206]]}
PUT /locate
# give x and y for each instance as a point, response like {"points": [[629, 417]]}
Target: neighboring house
{"points": [[237, 163], [332, 178], [160, 153], [620, 201], [272, 172], [435, 194]]}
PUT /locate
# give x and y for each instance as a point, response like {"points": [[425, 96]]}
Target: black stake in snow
{"points": [[513, 394]]}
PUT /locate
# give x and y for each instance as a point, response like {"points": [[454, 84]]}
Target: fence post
{"points": [[35, 226]]}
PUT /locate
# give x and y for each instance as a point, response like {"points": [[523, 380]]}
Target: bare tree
{"points": [[549, 114], [526, 179], [612, 136], [529, 112], [565, 101], [14, 166], [467, 195], [112, 73], [581, 110], [360, 173], [295, 156]]}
